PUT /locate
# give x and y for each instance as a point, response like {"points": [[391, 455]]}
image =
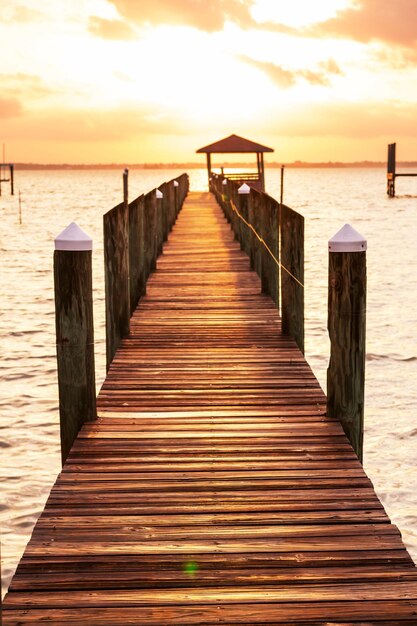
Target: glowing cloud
{"points": [[111, 29], [204, 15]]}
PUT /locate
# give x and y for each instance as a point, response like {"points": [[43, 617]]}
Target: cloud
{"points": [[10, 107], [21, 14], [24, 85], [350, 120], [118, 124], [111, 29], [281, 77], [369, 20], [288, 78], [206, 15]]}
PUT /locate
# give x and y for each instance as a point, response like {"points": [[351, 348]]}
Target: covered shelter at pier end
{"points": [[238, 145]]}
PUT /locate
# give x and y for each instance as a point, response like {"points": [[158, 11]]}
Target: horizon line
{"points": [[199, 165]]}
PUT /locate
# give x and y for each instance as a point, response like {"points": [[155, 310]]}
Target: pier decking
{"points": [[212, 488]]}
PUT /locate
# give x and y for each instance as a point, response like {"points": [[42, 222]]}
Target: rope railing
{"points": [[263, 242], [272, 235]]}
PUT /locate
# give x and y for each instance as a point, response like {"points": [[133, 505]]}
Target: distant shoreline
{"points": [[185, 166]]}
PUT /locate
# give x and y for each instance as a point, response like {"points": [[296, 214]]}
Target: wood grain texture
{"points": [[292, 258], [116, 277], [347, 329], [74, 343], [213, 488]]}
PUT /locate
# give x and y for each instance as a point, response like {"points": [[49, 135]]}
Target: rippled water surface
{"points": [[328, 198]]}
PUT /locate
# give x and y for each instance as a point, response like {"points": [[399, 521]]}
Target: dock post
{"points": [[347, 326], [176, 200], [74, 333], [126, 186], [244, 195], [159, 222], [292, 259], [116, 277], [12, 179], [281, 198]]}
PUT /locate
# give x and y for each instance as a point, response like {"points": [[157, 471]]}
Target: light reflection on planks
{"points": [[212, 488]]}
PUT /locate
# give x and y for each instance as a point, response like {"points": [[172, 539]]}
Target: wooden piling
{"points": [[292, 274], [151, 251], [116, 277], [346, 325], [176, 198], [126, 186], [159, 221], [282, 185], [244, 232], [137, 254], [12, 179], [74, 333], [270, 231]]}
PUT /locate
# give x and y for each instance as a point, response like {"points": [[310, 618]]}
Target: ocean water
{"points": [[328, 198]]}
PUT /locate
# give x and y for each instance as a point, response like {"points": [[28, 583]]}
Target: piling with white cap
{"points": [[347, 329], [243, 189], [242, 230], [74, 332], [73, 238], [160, 222], [176, 201]]}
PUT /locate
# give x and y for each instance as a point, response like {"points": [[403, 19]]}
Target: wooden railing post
{"points": [[137, 252], [116, 277], [347, 324], [159, 222], [269, 226], [74, 333], [176, 200], [244, 193], [292, 258], [126, 186]]}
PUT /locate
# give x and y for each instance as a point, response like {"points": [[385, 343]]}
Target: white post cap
{"points": [[176, 183], [159, 194], [224, 181], [73, 238], [347, 239], [244, 188]]}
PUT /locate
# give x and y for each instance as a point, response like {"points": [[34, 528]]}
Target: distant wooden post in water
{"points": [[74, 333], [347, 326], [5, 178], [391, 170]]}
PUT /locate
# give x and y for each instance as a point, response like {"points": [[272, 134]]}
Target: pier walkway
{"points": [[212, 489]]}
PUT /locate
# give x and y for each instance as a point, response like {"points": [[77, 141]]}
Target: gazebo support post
{"points": [[208, 167], [262, 172]]}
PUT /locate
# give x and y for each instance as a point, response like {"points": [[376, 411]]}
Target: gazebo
{"points": [[235, 145]]}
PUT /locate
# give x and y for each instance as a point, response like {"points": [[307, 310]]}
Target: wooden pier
{"points": [[212, 488]]}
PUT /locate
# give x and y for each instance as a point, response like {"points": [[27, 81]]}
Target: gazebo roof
{"points": [[234, 143]]}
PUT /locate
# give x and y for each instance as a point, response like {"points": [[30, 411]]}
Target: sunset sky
{"points": [[132, 81]]}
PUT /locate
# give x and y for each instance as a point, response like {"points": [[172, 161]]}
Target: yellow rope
{"points": [[263, 242]]}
